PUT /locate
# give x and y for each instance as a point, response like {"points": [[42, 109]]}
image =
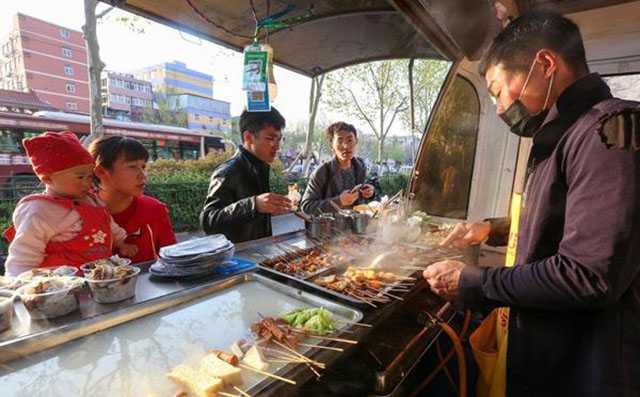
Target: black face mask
{"points": [[519, 119]]}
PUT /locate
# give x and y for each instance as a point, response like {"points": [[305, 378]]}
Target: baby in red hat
{"points": [[67, 224]]}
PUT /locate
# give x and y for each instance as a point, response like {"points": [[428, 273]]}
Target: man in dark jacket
{"points": [[239, 204], [574, 292]]}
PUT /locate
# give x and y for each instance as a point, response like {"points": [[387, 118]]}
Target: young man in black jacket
{"points": [[239, 204]]}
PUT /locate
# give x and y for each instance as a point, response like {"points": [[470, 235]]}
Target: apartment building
{"points": [[48, 59], [125, 97]]}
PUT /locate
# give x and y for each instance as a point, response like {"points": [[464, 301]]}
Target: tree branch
{"points": [[105, 12]]}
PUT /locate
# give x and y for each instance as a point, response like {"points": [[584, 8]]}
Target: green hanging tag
{"points": [[255, 76]]}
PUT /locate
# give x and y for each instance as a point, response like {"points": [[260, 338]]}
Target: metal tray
{"points": [[131, 359]]}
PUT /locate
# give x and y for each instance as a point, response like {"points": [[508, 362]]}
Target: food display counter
{"points": [[127, 348]]}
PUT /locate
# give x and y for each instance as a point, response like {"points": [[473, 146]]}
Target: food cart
{"points": [[127, 348]]}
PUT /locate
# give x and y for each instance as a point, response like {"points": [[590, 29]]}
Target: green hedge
{"points": [[182, 186]]}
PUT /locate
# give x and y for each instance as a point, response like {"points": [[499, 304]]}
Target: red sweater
{"points": [[148, 226]]}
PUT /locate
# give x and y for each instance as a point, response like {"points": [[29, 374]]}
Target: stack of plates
{"points": [[197, 257]]}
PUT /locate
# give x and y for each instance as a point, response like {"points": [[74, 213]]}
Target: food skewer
{"points": [[360, 298], [301, 356], [265, 373], [308, 363]]}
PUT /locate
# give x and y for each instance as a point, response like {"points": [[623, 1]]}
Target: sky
{"points": [[122, 51]]}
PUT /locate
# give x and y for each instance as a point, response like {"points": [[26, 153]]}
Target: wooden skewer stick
{"points": [[413, 267], [283, 361], [239, 390], [331, 338], [299, 355], [360, 298], [391, 295], [404, 278], [337, 349], [227, 394], [355, 323], [265, 373]]}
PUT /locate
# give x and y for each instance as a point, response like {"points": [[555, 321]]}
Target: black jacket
{"points": [[574, 294], [323, 186], [230, 207]]}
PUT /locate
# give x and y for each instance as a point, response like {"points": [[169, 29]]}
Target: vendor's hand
{"points": [[465, 234], [128, 250], [273, 203], [367, 191], [348, 197], [444, 278]]}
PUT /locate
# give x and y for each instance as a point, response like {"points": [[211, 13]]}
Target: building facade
{"points": [[204, 113], [125, 97], [49, 59], [176, 78], [191, 92]]}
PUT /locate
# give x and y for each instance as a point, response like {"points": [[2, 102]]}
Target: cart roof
{"points": [[346, 32]]}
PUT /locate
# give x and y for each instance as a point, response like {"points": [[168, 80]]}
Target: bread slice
{"points": [[214, 366], [198, 382]]}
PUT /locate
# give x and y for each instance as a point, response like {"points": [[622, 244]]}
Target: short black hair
{"points": [[340, 126], [108, 149], [516, 45], [255, 121]]}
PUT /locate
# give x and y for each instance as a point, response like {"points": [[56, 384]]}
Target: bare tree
{"points": [[315, 95], [374, 93], [89, 29], [428, 77]]}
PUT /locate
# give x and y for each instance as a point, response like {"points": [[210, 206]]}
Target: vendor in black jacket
{"points": [[239, 204], [574, 292], [340, 180]]}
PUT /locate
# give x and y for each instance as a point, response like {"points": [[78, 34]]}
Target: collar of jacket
{"points": [[355, 164], [574, 101], [259, 167], [253, 160]]}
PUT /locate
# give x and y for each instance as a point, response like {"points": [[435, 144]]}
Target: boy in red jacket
{"points": [[120, 169]]}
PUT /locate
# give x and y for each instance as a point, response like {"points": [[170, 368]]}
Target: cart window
{"points": [[446, 159], [625, 86]]}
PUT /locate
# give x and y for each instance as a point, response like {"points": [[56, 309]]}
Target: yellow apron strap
{"points": [[489, 341]]}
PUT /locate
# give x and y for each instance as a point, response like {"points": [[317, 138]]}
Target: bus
{"points": [[162, 141]]}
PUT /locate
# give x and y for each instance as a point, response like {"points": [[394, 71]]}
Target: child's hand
{"points": [[128, 250]]}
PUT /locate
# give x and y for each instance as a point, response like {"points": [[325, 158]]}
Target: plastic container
{"points": [[56, 303], [114, 290], [6, 309]]}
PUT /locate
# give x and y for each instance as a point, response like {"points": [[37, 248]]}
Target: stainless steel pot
{"points": [[359, 223], [320, 227]]}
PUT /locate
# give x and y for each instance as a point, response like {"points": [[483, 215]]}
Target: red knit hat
{"points": [[56, 151]]}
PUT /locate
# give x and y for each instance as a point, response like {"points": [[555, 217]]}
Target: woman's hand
{"points": [[348, 197], [367, 191]]}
